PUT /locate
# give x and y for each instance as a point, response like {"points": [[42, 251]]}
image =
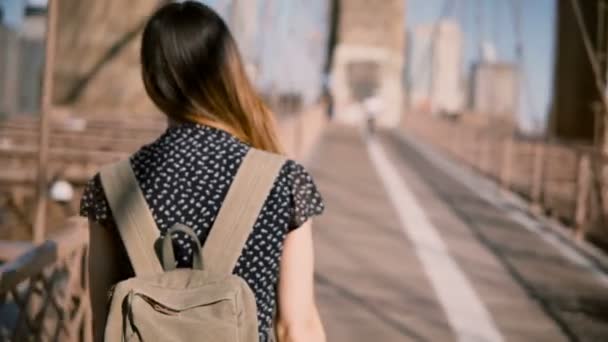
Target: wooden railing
{"points": [[77, 151], [75, 155], [568, 182], [43, 292], [91, 135]]}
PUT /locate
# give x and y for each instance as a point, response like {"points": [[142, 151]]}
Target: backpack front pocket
{"points": [[206, 319]]}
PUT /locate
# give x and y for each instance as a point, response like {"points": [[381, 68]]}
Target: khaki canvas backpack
{"points": [[205, 303]]}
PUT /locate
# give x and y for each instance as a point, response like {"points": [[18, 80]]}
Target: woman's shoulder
{"points": [[93, 203], [305, 197], [295, 171]]}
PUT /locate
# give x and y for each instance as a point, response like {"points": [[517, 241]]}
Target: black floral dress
{"points": [[185, 175]]}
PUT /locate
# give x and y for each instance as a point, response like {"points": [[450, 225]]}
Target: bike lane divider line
{"points": [[466, 313]]}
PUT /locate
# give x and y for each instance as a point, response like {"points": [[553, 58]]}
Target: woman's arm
{"points": [[106, 268], [298, 318]]}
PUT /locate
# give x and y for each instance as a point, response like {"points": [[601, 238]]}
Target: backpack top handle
{"points": [[168, 255]]}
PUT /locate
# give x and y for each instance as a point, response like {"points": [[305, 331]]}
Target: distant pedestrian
{"points": [[327, 96], [373, 107], [181, 188]]}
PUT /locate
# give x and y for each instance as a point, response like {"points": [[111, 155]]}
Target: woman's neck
{"points": [[171, 122]]}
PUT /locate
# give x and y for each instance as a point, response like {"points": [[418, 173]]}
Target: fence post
{"points": [[478, 146], [537, 176], [485, 148], [583, 189], [459, 145], [466, 153], [507, 164]]}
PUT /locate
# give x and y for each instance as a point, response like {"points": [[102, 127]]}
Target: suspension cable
{"points": [[516, 12], [429, 51], [599, 83]]}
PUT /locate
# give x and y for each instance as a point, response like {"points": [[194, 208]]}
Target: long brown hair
{"points": [[193, 72]]}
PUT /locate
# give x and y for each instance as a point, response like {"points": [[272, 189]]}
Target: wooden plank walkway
{"points": [[372, 286]]}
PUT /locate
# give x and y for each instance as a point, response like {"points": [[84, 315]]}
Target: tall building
{"points": [[21, 58], [368, 59], [419, 69], [446, 87], [435, 78], [495, 91]]}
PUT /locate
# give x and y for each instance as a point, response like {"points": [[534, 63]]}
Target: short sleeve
{"points": [[306, 199], [94, 204]]}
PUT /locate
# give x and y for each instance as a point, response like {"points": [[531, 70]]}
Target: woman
{"points": [[193, 72]]}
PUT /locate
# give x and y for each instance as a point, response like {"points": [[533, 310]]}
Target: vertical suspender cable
{"points": [[601, 88], [480, 30], [45, 121], [448, 6], [516, 11]]}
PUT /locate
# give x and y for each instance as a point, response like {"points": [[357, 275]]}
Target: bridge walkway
{"points": [[413, 247]]}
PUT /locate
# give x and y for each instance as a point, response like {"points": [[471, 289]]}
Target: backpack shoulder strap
{"points": [[133, 218], [240, 209]]}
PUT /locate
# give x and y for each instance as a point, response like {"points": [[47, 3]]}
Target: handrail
{"points": [[561, 179], [47, 289], [60, 245]]}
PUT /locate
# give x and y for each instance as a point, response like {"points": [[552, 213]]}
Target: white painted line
{"points": [[465, 311], [489, 192]]}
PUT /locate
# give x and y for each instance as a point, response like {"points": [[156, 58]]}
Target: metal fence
{"points": [[44, 292]]}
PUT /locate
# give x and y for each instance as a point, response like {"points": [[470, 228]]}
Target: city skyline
{"points": [[497, 22], [435, 80], [537, 25]]}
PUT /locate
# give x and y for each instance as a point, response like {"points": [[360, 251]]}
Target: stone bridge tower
{"points": [[368, 59], [577, 112], [97, 57]]}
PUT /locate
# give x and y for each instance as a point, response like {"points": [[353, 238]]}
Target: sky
{"points": [[289, 51], [13, 10], [537, 25]]}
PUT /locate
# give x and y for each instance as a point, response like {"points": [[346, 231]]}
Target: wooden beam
{"points": [[506, 174], [11, 250], [583, 190], [33, 260], [27, 265]]}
